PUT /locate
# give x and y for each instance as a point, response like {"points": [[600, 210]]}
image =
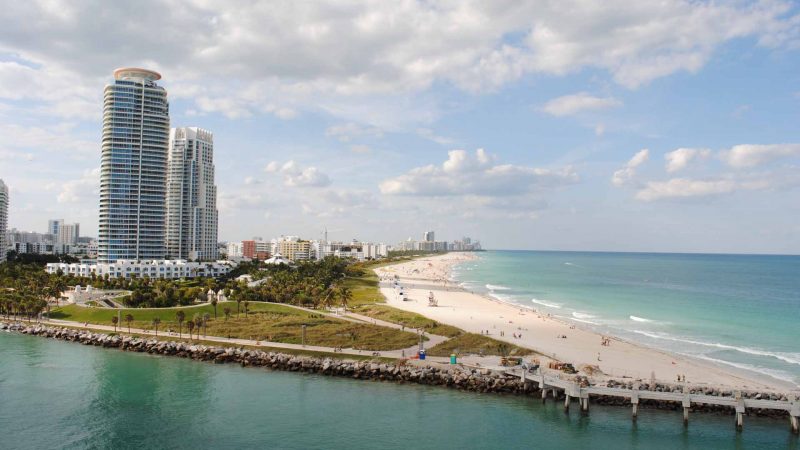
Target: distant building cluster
{"points": [[296, 249], [430, 244], [60, 239]]}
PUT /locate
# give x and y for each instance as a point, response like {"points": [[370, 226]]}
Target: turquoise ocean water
{"points": [[741, 311], [63, 395]]}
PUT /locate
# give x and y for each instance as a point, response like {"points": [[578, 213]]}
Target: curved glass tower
{"points": [[133, 167]]}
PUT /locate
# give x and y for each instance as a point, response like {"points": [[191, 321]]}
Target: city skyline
{"points": [[513, 124]]}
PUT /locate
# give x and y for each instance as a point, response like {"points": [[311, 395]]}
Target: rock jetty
{"points": [[400, 371]]}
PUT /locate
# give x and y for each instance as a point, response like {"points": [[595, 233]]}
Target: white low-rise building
{"points": [[170, 269]]}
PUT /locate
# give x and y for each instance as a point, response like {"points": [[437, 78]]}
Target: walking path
{"points": [[403, 353]]}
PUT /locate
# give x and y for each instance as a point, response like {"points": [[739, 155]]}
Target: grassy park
{"points": [[263, 321]]}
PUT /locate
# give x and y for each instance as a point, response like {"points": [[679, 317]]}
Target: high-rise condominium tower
{"points": [[191, 195], [133, 167], [3, 219]]}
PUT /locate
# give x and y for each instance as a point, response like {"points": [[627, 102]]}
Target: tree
{"points": [[190, 326], [180, 316], [128, 320], [238, 301], [115, 321], [214, 304], [156, 322], [206, 318], [227, 312], [345, 295], [329, 297], [246, 304]]}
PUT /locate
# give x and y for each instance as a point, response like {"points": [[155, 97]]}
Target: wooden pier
{"points": [[740, 404]]}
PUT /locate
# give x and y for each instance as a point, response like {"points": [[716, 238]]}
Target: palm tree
{"points": [[206, 318], [345, 295], [246, 304], [214, 304], [129, 319], [329, 297], [180, 316], [238, 301], [115, 321], [190, 326], [156, 322], [227, 312]]}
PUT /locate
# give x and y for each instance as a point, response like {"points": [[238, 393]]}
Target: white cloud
{"points": [[683, 188], [625, 174], [84, 189], [680, 158], [362, 149], [284, 58], [467, 174], [430, 135], [575, 103], [750, 155], [350, 131], [296, 176], [599, 130]]}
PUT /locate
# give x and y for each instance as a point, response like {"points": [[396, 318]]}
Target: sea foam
{"points": [[495, 287], [791, 358], [580, 315], [640, 319], [544, 303]]}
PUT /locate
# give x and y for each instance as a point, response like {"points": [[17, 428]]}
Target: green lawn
{"points": [[409, 319], [263, 348], [470, 343], [265, 321]]}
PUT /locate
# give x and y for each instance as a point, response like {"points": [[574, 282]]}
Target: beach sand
{"points": [[476, 313]]}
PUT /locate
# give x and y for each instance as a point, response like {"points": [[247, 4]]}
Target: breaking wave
{"points": [[544, 303]]}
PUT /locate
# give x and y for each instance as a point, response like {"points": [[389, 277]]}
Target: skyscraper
{"points": [[133, 167], [68, 233], [428, 236], [3, 219], [191, 195], [53, 226]]}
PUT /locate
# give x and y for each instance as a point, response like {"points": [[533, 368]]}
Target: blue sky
{"points": [[579, 125]]}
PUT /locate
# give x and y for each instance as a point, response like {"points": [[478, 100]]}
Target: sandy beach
{"points": [[476, 313]]}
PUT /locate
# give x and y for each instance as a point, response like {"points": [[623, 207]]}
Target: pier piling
{"points": [[585, 405], [635, 407], [566, 402], [795, 422], [544, 395], [687, 403]]}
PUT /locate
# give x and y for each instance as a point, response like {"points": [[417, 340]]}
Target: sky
{"points": [[667, 126]]}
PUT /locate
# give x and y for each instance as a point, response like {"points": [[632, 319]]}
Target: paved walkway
{"points": [[234, 341]]}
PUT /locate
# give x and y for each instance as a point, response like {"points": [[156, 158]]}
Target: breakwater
{"points": [[451, 376]]}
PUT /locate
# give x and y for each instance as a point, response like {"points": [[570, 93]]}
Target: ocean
{"points": [[56, 394], [741, 311]]}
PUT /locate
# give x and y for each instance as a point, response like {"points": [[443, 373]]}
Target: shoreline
{"points": [[477, 313], [458, 377]]}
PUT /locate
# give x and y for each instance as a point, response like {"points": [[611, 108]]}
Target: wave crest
{"points": [[495, 287], [791, 358], [544, 303], [640, 319]]}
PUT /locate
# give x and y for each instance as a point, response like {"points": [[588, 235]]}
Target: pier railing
{"points": [[573, 390]]}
